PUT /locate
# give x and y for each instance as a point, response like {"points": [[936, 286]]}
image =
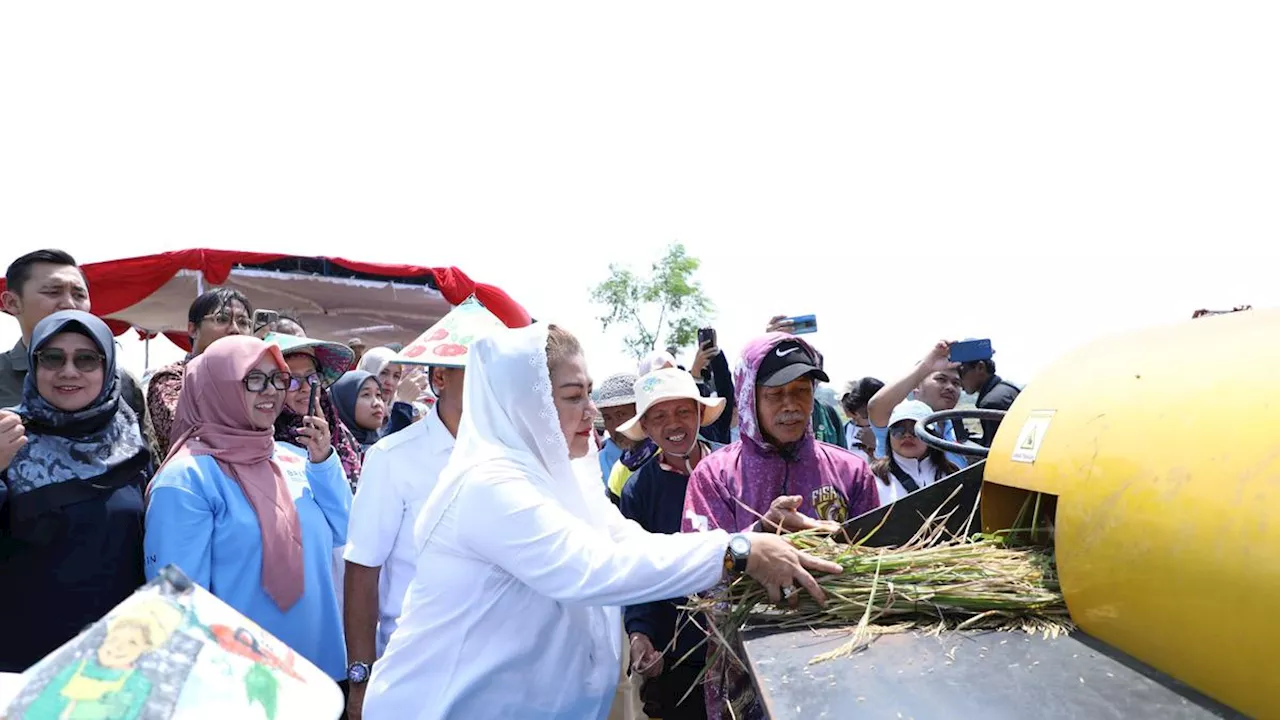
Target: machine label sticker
{"points": [[1027, 447]]}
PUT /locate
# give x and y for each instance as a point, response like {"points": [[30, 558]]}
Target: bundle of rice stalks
{"points": [[934, 583]]}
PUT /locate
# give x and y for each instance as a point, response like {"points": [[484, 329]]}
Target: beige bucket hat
{"points": [[668, 384]]}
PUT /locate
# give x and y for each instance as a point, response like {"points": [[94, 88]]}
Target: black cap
{"points": [[787, 361]]}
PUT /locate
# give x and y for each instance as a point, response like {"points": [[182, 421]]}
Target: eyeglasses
{"points": [[223, 319], [84, 360], [297, 383], [901, 431], [257, 381]]}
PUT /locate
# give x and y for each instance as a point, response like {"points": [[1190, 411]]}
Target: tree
{"points": [[669, 304]]}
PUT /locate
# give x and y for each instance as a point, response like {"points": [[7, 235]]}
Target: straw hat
{"points": [[615, 391], [661, 386]]}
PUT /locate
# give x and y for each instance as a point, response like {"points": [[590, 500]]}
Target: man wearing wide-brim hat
{"points": [[669, 410]]}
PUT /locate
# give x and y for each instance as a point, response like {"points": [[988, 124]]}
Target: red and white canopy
{"points": [[335, 298]]}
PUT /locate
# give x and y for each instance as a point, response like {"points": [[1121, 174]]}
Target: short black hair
{"points": [[214, 300], [291, 316], [859, 394], [991, 366], [19, 271]]}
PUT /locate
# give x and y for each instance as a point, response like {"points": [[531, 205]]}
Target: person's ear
{"points": [[11, 303]]}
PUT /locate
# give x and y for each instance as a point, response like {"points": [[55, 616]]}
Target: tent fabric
{"points": [[117, 285]]}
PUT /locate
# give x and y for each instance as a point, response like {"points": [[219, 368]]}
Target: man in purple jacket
{"points": [[776, 470]]}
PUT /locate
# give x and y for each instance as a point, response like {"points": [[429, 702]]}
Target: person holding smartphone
{"points": [[935, 381], [715, 379]]}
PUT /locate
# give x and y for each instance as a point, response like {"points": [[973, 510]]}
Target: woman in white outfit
{"points": [[523, 563], [910, 465]]}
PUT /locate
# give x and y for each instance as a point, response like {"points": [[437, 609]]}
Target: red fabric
{"points": [[118, 284]]}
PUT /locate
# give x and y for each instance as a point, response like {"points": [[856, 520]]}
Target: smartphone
{"points": [[969, 351], [802, 324], [311, 401], [706, 337], [264, 319]]}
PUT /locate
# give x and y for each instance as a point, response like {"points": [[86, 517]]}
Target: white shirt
{"points": [[397, 476], [923, 471], [488, 627]]}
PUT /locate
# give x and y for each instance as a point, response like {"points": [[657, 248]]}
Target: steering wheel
{"points": [[928, 438]]}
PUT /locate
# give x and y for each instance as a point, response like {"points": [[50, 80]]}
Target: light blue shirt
{"points": [[609, 454], [199, 520]]}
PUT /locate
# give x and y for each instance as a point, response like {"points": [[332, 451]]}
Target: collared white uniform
{"points": [[397, 476]]}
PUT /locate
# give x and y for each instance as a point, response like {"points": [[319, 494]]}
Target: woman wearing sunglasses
{"points": [[74, 466], [910, 464], [253, 520]]}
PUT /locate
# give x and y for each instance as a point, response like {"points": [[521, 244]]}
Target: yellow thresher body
{"points": [[1162, 448]]}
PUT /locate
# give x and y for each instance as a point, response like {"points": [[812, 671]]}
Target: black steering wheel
{"points": [[928, 438]]}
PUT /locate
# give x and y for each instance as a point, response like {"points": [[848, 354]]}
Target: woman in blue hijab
{"points": [[71, 505]]}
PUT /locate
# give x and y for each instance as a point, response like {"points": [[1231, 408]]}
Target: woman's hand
{"points": [[778, 566], [315, 438], [12, 437], [644, 658], [411, 386], [783, 513], [867, 437]]}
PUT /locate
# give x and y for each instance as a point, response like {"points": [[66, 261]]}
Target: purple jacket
{"points": [[835, 484]]}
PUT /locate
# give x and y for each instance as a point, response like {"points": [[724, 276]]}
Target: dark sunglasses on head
{"points": [[84, 360], [297, 383], [257, 381]]}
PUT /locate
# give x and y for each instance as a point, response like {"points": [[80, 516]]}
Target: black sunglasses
{"points": [[84, 360], [901, 431], [257, 381]]}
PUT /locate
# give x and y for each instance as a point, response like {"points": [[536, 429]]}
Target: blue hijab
{"points": [[345, 392], [84, 446]]}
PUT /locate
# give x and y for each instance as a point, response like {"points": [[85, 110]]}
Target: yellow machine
{"points": [[1162, 449], [1156, 459]]}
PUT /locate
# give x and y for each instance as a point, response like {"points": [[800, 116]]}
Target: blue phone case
{"points": [[970, 351], [802, 324]]}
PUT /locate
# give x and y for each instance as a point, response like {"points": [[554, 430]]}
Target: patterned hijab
{"points": [[79, 446]]}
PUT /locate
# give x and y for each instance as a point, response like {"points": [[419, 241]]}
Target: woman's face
{"points": [[302, 367], [265, 404], [571, 390], [371, 411], [230, 319], [70, 370], [902, 437], [389, 380]]}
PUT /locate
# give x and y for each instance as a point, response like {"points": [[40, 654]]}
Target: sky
{"points": [[1038, 174]]}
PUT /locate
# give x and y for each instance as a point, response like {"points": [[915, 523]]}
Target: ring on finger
{"points": [[788, 591]]}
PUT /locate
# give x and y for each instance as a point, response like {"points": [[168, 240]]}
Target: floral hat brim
{"points": [[332, 358]]}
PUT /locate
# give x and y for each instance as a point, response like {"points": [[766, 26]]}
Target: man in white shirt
{"points": [[398, 475]]}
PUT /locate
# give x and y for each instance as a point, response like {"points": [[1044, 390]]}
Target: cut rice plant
{"points": [[933, 583]]}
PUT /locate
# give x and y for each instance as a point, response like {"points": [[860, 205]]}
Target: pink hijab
{"points": [[212, 418]]}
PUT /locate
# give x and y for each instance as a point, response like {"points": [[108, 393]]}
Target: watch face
{"points": [[740, 545], [358, 672]]}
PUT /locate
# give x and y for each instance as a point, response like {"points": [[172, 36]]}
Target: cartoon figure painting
{"points": [[172, 651], [107, 684]]}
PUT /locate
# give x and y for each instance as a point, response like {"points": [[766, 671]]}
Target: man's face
{"points": [[50, 288], [941, 390], [972, 377], [673, 425], [615, 416], [784, 411]]}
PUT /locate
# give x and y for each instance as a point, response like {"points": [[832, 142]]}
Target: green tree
{"points": [[668, 305]]}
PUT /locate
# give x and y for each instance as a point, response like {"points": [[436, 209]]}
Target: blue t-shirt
{"points": [[609, 454], [199, 520]]}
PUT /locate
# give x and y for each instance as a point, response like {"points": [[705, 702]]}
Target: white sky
{"points": [[1038, 174]]}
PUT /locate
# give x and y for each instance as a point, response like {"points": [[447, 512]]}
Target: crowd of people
{"points": [[441, 543]]}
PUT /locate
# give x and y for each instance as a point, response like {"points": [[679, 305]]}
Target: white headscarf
{"points": [[510, 428], [376, 359]]}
